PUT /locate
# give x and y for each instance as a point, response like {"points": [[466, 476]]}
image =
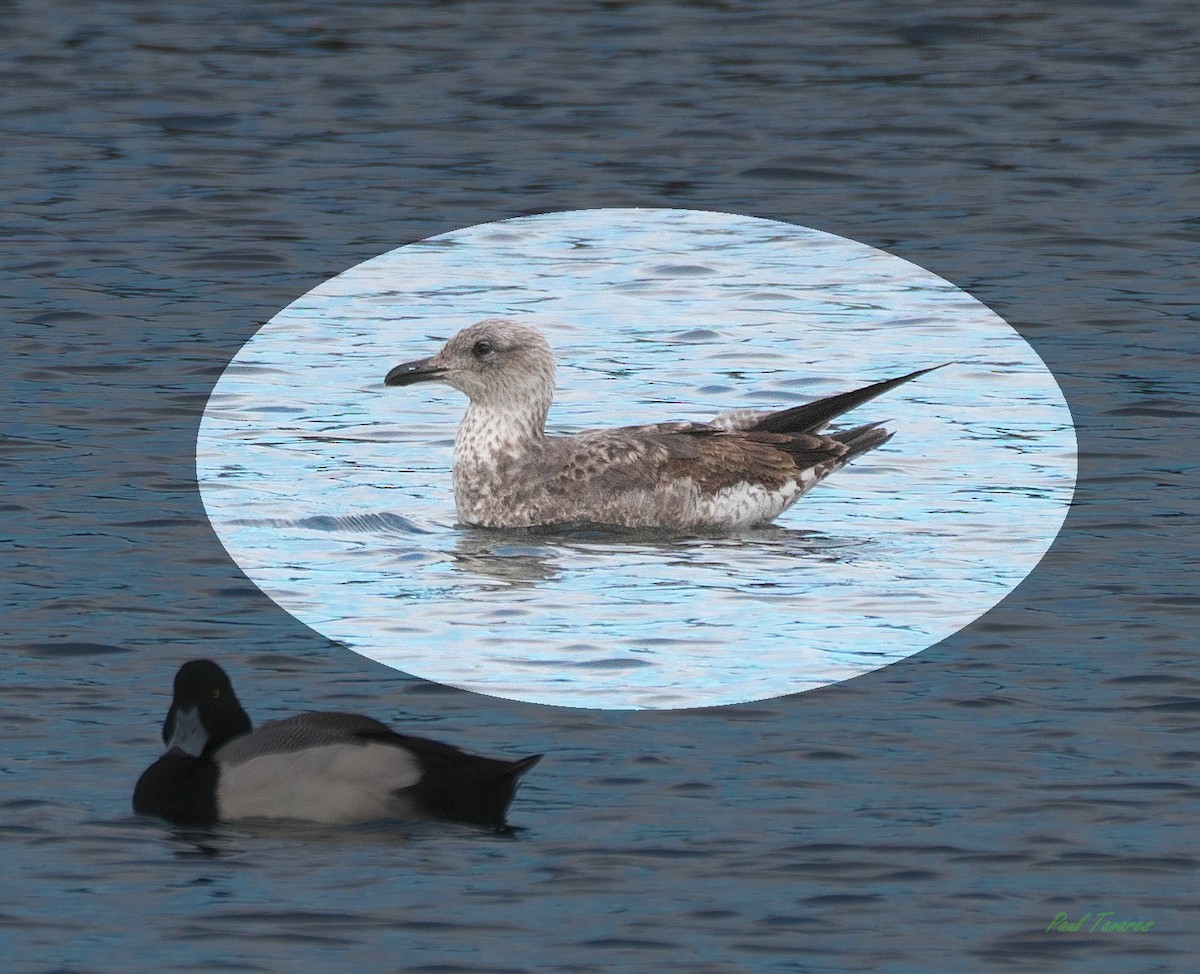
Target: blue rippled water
{"points": [[300, 438], [176, 174]]}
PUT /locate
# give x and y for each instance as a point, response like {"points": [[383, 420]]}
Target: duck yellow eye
{"points": [[217, 694]]}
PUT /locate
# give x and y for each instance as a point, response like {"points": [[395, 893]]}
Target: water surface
{"points": [[333, 493], [175, 174]]}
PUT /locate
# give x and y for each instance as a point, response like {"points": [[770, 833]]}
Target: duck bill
{"points": [[422, 370], [184, 730]]}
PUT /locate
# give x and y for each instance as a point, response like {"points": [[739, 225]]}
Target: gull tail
{"points": [[861, 439]]}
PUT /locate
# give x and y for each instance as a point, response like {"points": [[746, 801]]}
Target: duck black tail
{"points": [[465, 787]]}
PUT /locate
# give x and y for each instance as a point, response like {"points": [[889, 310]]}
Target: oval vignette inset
{"points": [[333, 493]]}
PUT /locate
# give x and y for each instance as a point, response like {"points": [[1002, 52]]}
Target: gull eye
{"points": [[481, 349]]}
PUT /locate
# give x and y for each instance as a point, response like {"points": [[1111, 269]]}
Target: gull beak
{"points": [[423, 370]]}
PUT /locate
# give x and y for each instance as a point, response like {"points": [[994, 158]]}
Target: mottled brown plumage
{"points": [[744, 468]]}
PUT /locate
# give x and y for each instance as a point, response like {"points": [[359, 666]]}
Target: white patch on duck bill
{"points": [[188, 733], [333, 783]]}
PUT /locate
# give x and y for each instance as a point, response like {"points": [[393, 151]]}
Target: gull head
{"points": [[493, 362]]}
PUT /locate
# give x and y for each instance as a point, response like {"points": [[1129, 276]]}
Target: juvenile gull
{"points": [[744, 468]]}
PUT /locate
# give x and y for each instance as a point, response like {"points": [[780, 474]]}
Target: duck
{"points": [[325, 768]]}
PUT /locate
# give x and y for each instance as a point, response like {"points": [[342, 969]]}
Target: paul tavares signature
{"points": [[1103, 923]]}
